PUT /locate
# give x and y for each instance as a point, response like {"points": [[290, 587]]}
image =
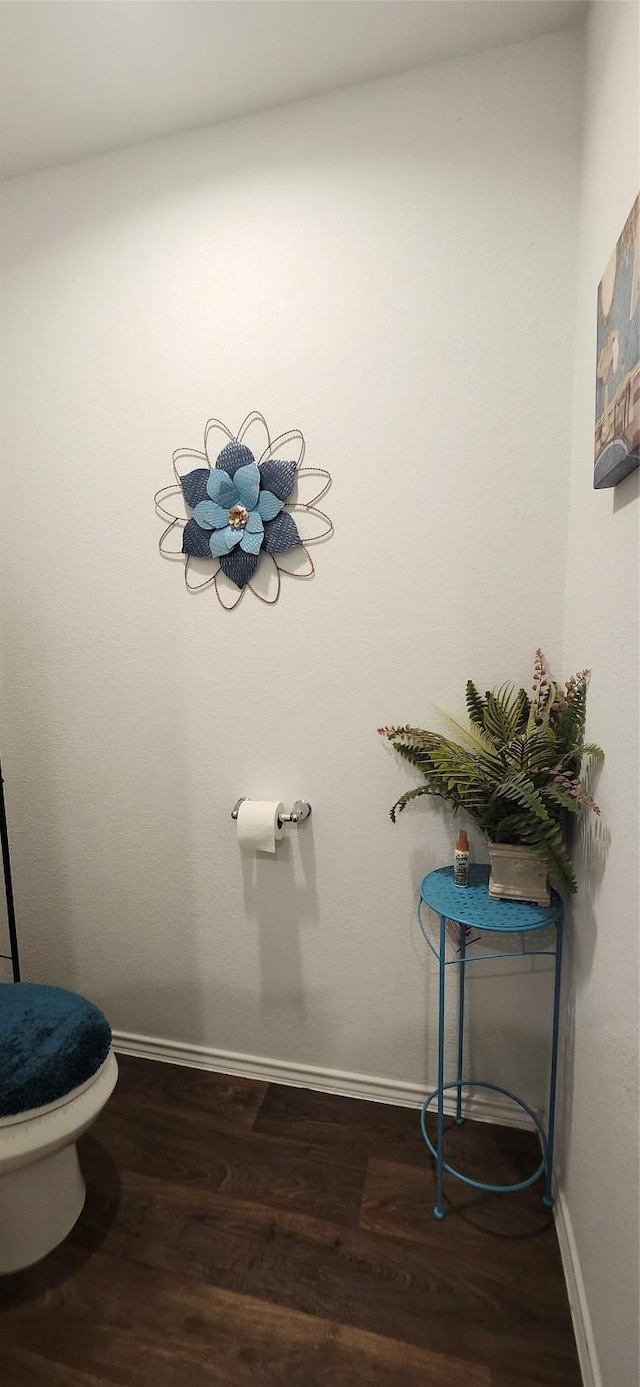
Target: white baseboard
{"points": [[480, 1105], [585, 1342]]}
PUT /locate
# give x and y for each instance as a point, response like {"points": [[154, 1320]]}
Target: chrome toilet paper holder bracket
{"points": [[297, 814]]}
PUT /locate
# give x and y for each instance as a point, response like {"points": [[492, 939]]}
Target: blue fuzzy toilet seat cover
{"points": [[51, 1041]]}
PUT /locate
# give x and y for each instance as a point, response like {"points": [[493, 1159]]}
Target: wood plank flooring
{"points": [[252, 1235]]}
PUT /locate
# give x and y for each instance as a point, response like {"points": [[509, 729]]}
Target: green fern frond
{"points": [[561, 797], [510, 828], [535, 752], [521, 710], [520, 790], [476, 736], [405, 799], [549, 844], [498, 719], [506, 713], [475, 704]]}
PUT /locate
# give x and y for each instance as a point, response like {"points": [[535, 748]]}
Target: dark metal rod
{"points": [[8, 886]]}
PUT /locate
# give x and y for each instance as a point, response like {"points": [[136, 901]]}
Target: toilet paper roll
{"points": [[258, 824]]}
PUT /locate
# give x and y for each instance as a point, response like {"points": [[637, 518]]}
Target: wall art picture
{"points": [[617, 438], [244, 511]]}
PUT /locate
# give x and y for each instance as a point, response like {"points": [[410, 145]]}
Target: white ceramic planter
{"points": [[518, 874]]}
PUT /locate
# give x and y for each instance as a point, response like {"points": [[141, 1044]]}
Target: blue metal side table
{"points": [[473, 907]]}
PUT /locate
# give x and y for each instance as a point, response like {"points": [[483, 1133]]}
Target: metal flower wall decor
{"points": [[250, 511]]}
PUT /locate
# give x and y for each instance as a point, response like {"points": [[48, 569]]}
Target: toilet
{"points": [[57, 1070]]}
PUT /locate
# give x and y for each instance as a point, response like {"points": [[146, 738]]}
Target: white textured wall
{"points": [[600, 1111], [391, 269]]}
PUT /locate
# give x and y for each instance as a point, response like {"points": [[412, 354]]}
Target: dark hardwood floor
{"points": [[252, 1235]]}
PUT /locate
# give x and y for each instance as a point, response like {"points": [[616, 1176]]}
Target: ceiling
{"points": [[80, 77]]}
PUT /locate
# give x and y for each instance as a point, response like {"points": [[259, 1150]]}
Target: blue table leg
{"points": [[438, 1209], [547, 1198], [461, 976]]}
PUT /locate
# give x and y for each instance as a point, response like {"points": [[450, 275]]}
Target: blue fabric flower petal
{"points": [[210, 516], [278, 477], [220, 488], [281, 534], [195, 541], [218, 544], [222, 541], [251, 543], [219, 515], [269, 505], [194, 486], [239, 566], [254, 523], [247, 484], [233, 456]]}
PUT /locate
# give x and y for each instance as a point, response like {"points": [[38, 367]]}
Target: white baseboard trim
{"points": [[585, 1342], [480, 1105]]}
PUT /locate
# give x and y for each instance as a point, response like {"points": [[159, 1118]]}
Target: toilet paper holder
{"points": [[297, 814]]}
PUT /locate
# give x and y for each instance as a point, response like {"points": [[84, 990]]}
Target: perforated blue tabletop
{"points": [[472, 904]]}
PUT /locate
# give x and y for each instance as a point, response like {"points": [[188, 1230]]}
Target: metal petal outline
{"points": [[170, 553], [254, 418], [287, 554], [264, 560], [198, 459], [163, 495], [197, 587], [315, 472], [313, 510], [282, 441], [209, 427], [237, 594]]}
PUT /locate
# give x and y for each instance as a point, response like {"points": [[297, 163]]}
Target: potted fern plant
{"points": [[517, 771]]}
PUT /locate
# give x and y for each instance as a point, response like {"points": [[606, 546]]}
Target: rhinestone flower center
{"points": [[238, 516]]}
